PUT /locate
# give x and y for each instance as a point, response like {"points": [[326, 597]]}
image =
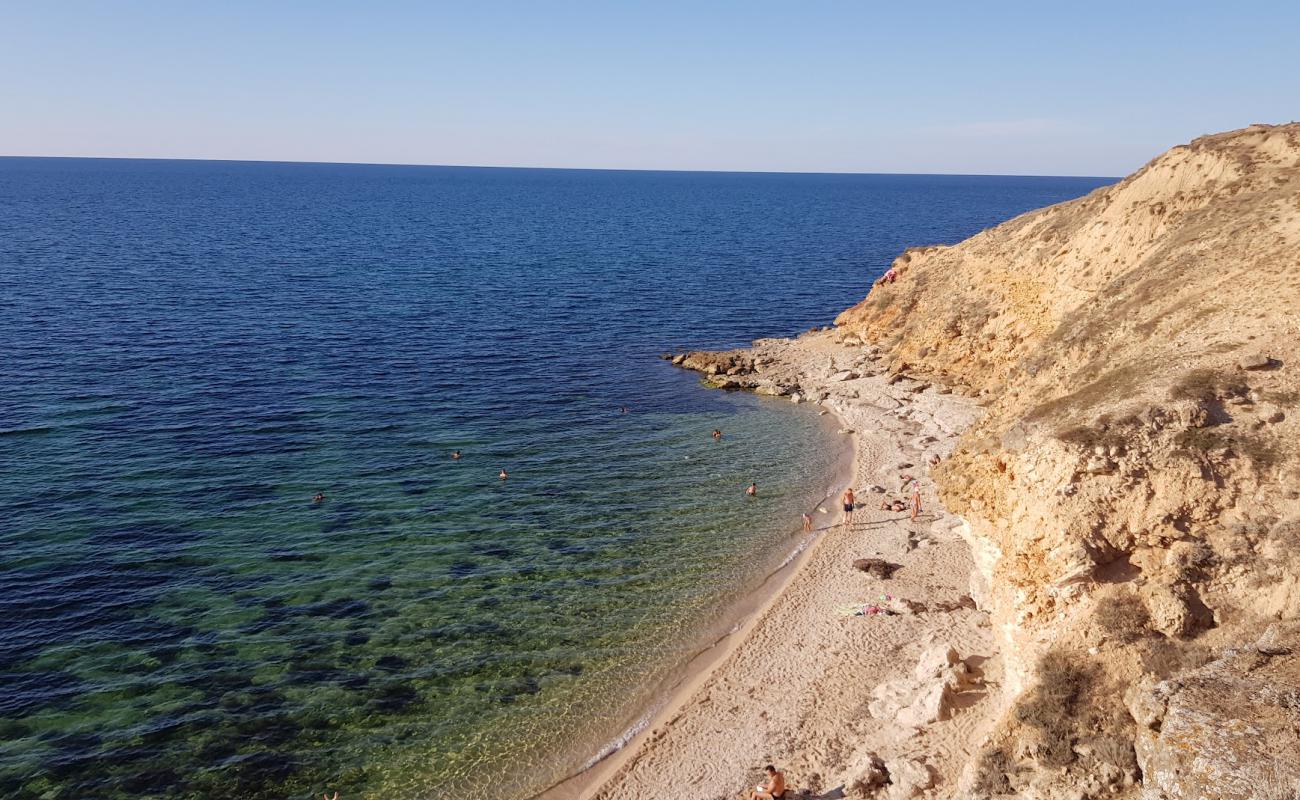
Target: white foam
{"points": [[621, 741]]}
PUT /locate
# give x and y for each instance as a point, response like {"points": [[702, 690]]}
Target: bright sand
{"points": [[791, 685]]}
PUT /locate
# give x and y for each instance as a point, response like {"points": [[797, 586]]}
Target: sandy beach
{"points": [[795, 685]]}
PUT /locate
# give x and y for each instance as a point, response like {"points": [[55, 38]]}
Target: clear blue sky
{"points": [[1083, 88]]}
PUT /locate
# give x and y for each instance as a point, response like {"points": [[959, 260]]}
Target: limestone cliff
{"points": [[1133, 491]]}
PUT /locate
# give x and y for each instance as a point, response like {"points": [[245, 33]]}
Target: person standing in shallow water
{"points": [[752, 490], [848, 505], [807, 522]]}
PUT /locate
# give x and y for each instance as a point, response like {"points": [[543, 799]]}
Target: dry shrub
{"points": [[1114, 750], [1208, 384], [1123, 617], [1194, 443], [1053, 707], [1122, 381], [1165, 658], [993, 773]]}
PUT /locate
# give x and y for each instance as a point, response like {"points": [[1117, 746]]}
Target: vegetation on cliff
{"points": [[1133, 491]]}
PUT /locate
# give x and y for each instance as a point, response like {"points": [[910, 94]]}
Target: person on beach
{"points": [[455, 455], [916, 499], [807, 522], [849, 499], [503, 475], [774, 789], [717, 435]]}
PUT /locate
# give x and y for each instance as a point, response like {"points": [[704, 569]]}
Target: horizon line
{"points": [[572, 169]]}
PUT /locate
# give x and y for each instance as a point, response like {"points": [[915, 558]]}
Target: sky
{"points": [[1046, 88]]}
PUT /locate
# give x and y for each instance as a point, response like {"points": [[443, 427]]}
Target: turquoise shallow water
{"points": [[194, 349]]}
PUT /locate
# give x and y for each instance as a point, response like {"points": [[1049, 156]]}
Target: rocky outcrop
{"points": [[1135, 353], [1131, 491], [925, 696], [1227, 731]]}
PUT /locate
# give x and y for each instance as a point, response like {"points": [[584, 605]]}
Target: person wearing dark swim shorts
{"points": [[848, 506], [773, 789]]}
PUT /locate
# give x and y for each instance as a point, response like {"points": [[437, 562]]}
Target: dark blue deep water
{"points": [[189, 351]]}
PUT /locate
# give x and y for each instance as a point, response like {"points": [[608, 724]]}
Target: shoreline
{"points": [[738, 619], [798, 680]]}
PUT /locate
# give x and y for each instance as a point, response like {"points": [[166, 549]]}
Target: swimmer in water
{"points": [[717, 434], [752, 490], [622, 409], [503, 475], [319, 498], [455, 455]]}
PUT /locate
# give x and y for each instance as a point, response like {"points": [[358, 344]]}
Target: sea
{"points": [[192, 351]]}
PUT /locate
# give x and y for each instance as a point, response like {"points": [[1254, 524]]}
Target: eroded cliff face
{"points": [[1133, 490]]}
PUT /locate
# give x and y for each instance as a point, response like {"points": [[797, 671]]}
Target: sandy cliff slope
{"points": [[1133, 492]]}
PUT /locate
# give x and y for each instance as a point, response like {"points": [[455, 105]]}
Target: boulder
{"points": [[926, 695], [934, 661], [1270, 413], [1226, 731], [899, 605], [876, 567], [845, 375], [867, 777], [929, 704], [678, 359], [1255, 361], [908, 778]]}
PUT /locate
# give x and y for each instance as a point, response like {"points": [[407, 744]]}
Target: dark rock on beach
{"points": [[876, 567]]}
